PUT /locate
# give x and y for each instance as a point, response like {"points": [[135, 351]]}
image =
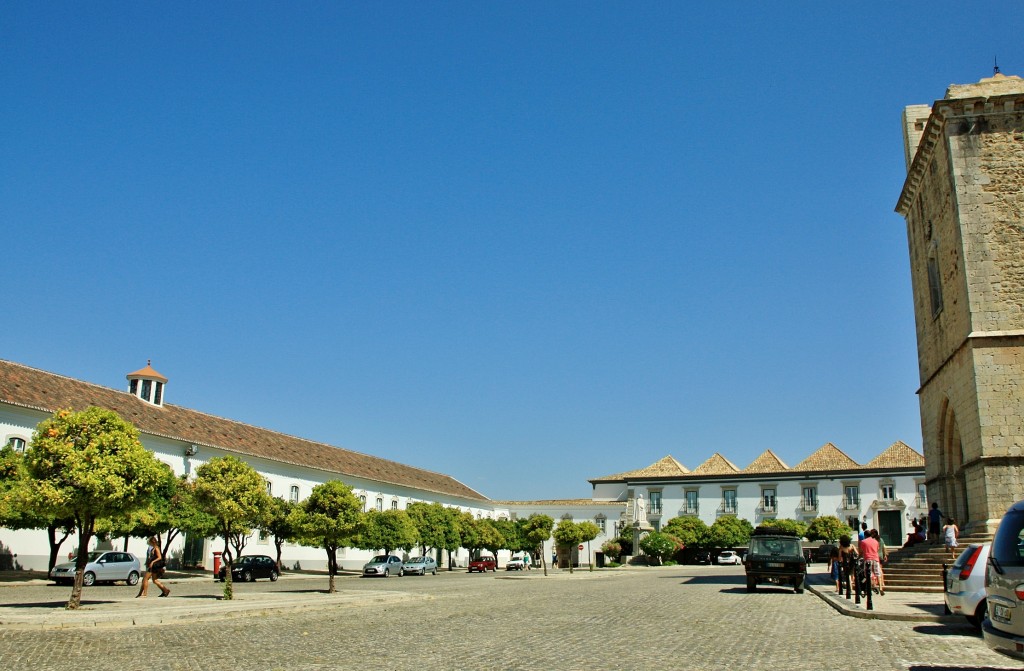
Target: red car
{"points": [[483, 564]]}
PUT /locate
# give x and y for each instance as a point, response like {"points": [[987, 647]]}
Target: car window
{"points": [[1008, 545], [93, 556]]}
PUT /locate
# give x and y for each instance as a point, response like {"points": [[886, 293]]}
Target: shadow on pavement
{"points": [[964, 630]]}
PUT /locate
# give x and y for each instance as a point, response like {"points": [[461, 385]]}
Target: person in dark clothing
{"points": [[934, 524]]}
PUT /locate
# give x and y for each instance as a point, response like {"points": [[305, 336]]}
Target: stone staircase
{"points": [[919, 568]]}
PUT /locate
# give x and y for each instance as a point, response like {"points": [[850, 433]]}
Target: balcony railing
{"points": [[727, 509], [851, 504], [920, 502], [688, 509], [768, 508], [809, 506], [655, 509]]}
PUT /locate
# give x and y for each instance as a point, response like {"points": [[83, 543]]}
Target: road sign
{"points": [[581, 546]]}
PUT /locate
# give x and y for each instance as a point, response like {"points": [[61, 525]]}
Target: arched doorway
{"points": [[954, 482]]}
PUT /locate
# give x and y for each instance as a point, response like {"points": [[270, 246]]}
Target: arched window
{"points": [[294, 495], [17, 444], [270, 488], [394, 504], [362, 500], [380, 504]]}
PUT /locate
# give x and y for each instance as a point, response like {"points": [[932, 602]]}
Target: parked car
{"points": [[518, 563], [821, 553], [384, 565], [965, 584], [483, 564], [776, 557], [420, 566], [729, 557], [250, 568], [1004, 576], [109, 566]]}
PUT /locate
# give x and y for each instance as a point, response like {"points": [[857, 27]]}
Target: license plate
{"points": [[775, 564], [1001, 612]]}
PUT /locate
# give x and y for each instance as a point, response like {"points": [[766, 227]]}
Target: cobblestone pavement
{"points": [[664, 618]]}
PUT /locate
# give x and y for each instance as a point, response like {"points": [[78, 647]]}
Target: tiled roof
{"points": [[828, 457], [562, 502], [32, 388], [147, 372], [664, 467], [768, 462], [898, 455], [716, 465]]}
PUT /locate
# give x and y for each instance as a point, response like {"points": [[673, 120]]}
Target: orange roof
{"points": [[716, 465], [664, 467], [768, 462], [147, 372], [828, 457], [898, 455]]}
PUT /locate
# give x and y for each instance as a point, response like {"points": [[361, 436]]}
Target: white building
{"points": [[885, 492]]}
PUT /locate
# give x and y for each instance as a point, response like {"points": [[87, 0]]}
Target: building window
{"points": [[394, 504], [729, 501], [294, 495], [158, 396], [362, 500], [809, 499], [263, 537], [147, 386], [690, 505], [270, 488], [851, 497], [888, 492], [16, 444], [655, 503], [768, 503], [600, 521], [934, 278], [133, 387], [380, 504], [922, 495]]}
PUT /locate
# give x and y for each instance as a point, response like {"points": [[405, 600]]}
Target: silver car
{"points": [[384, 566], [965, 584], [109, 566], [420, 566], [1004, 584]]}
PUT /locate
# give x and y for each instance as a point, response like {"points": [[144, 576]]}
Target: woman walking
{"points": [[950, 533], [154, 569]]}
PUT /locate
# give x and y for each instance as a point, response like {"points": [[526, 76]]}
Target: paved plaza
{"points": [[692, 617]]}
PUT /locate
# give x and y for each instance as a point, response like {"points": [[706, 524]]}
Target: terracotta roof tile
{"points": [[147, 372], [664, 467], [716, 465], [897, 455], [828, 457], [32, 388], [768, 462]]}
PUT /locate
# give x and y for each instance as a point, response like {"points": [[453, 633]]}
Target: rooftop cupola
{"points": [[147, 384]]}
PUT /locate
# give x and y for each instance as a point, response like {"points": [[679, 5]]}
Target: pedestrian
{"points": [[834, 568], [847, 562], [934, 521], [155, 566], [883, 556], [554, 559], [950, 533], [863, 531], [869, 550]]}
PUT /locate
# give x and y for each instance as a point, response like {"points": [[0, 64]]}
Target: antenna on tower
{"points": [[995, 66]]}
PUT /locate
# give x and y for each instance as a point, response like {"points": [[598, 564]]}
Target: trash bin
{"points": [[599, 556]]}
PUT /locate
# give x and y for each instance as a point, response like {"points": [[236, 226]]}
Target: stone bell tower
{"points": [[963, 201]]}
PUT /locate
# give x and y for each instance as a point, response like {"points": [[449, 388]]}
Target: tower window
{"points": [[147, 387]]}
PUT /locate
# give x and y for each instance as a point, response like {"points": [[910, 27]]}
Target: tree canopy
{"points": [[86, 466], [729, 532], [386, 530], [828, 528], [691, 530], [328, 518]]}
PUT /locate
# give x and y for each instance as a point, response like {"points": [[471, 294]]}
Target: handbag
{"points": [[158, 566]]}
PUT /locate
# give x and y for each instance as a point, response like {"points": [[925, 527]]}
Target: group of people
{"points": [[948, 534], [871, 547]]}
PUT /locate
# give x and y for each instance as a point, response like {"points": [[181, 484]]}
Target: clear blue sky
{"points": [[524, 244]]}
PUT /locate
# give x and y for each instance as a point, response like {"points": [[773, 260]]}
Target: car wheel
{"points": [[979, 615], [274, 576], [89, 579], [751, 585], [401, 572], [799, 587], [387, 573], [133, 578], [247, 576], [434, 572]]}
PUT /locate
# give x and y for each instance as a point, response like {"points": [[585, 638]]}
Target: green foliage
{"points": [[588, 531], [690, 530], [828, 528], [568, 533], [510, 531], [431, 521], [387, 531], [660, 545], [280, 524], [795, 526], [729, 532], [234, 494], [626, 543], [536, 529], [86, 466], [328, 518], [611, 549], [490, 537]]}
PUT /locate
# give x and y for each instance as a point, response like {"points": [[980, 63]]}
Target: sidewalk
{"points": [[906, 606]]}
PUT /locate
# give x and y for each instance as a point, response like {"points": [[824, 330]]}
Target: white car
{"points": [[965, 584], [729, 557], [101, 567], [518, 563]]}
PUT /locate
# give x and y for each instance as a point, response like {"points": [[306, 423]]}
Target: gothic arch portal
{"points": [[952, 481]]}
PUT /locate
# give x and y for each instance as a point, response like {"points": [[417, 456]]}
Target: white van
{"points": [[518, 562]]}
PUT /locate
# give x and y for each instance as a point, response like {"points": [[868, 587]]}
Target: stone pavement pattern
{"points": [[671, 617]]}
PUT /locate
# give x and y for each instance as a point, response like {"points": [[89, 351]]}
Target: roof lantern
{"points": [[147, 384]]}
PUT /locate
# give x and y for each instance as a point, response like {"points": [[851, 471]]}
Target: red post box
{"points": [[216, 563]]}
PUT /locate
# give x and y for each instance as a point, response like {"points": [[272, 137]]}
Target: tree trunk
{"points": [[171, 535], [332, 568], [278, 544], [84, 536], [229, 592], [54, 543]]}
